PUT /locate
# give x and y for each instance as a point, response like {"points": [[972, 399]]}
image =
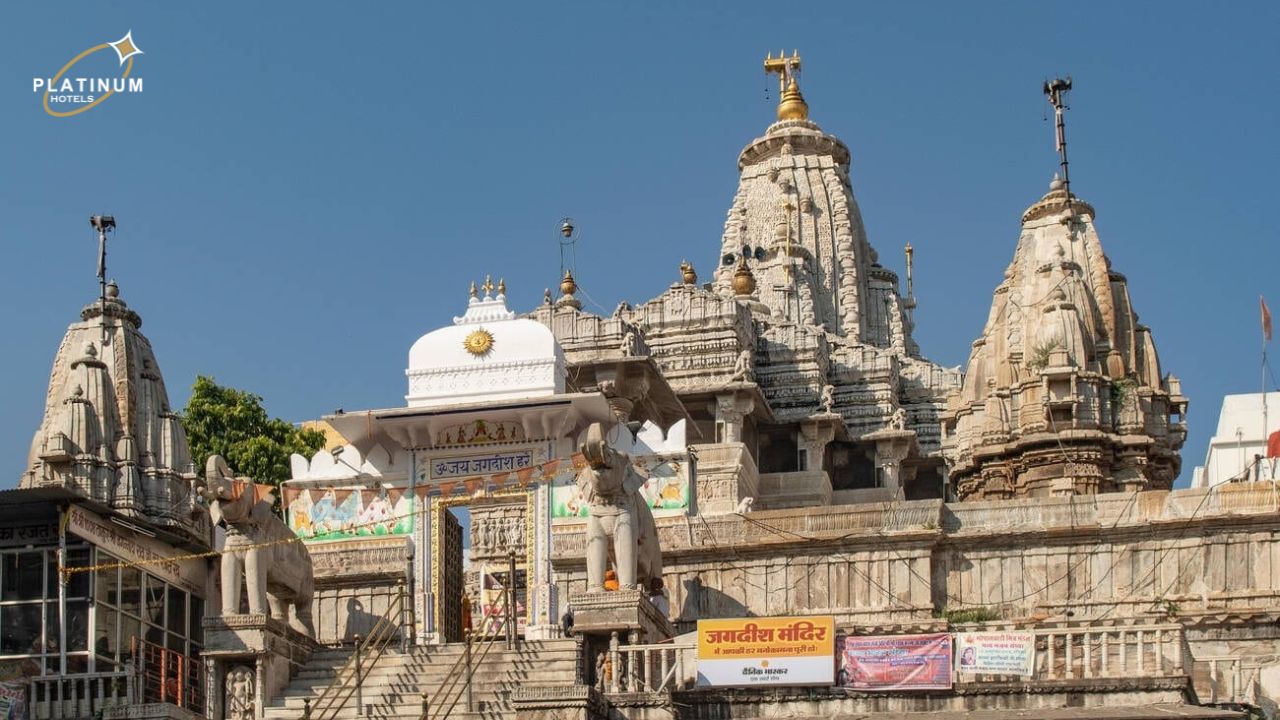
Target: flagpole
{"points": [[1266, 337]]}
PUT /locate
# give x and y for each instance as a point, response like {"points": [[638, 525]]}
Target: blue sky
{"points": [[303, 189]]}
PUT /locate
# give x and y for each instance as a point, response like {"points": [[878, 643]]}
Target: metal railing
{"points": [[474, 651], [168, 676], [349, 679]]}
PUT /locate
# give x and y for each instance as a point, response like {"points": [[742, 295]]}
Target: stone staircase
{"points": [[393, 687]]}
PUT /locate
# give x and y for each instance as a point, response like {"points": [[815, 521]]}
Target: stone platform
{"points": [[262, 651], [630, 613]]}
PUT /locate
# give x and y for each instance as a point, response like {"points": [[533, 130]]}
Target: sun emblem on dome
{"points": [[479, 342]]}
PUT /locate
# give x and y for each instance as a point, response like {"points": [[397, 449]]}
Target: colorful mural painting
{"points": [[339, 513], [666, 490]]}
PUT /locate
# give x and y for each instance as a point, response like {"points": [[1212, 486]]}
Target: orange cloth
{"points": [[610, 580]]}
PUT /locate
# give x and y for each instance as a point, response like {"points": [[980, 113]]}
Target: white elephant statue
{"points": [[277, 573], [620, 524]]}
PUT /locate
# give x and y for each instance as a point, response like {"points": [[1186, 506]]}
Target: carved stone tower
{"points": [[798, 354], [108, 432], [1063, 393], [796, 226]]}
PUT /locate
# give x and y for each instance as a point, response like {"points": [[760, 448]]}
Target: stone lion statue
{"points": [[620, 526], [277, 573]]}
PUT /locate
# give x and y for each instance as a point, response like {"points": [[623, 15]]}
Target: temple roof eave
{"points": [[545, 417]]}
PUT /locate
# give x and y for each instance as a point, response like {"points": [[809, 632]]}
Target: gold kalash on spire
{"points": [[792, 106]]}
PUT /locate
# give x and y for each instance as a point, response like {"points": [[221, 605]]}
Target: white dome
{"points": [[488, 354]]}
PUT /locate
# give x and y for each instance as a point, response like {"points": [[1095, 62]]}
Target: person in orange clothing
{"points": [[610, 580]]}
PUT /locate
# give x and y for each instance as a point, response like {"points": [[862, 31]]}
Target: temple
{"points": [[1063, 393], [736, 499]]}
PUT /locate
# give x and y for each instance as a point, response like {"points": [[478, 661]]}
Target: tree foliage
{"points": [[232, 423]]}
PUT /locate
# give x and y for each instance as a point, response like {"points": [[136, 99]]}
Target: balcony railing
{"points": [[646, 668], [154, 675], [168, 676], [1127, 651], [81, 695]]}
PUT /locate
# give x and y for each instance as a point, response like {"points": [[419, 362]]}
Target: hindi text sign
{"points": [[766, 651], [998, 653], [897, 662]]}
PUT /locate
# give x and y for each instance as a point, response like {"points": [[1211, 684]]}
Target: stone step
{"points": [[392, 687], [295, 697], [382, 675]]}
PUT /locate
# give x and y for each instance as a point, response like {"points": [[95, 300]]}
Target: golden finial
{"points": [[502, 286], [568, 286], [744, 282], [792, 106], [687, 274], [473, 289], [488, 286]]}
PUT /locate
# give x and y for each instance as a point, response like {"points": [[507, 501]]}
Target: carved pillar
{"points": [[814, 438], [731, 411], [892, 447], [544, 611]]}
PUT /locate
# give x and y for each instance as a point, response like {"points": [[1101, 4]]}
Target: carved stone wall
{"points": [[1148, 554], [355, 582]]}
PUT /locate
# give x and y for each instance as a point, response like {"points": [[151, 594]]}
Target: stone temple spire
{"points": [[795, 222], [1063, 392], [108, 432]]}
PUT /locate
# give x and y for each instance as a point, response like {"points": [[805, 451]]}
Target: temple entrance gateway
{"points": [[471, 557]]}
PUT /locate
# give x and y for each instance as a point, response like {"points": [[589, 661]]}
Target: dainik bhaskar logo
{"points": [[68, 93]]}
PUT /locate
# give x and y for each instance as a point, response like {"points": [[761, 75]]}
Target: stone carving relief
{"points": [[630, 343], [276, 573], [496, 530], [742, 367], [240, 691]]}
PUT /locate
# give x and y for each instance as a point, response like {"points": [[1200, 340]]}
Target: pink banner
{"points": [[896, 662]]}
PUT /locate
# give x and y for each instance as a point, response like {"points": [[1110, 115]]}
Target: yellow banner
{"points": [[769, 637]]}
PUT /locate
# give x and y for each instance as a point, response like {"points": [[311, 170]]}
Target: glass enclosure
{"points": [[106, 609]]}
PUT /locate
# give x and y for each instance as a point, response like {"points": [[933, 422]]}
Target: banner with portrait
{"points": [[996, 653]]}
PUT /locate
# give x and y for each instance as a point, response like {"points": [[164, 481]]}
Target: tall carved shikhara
{"points": [[1063, 393]]}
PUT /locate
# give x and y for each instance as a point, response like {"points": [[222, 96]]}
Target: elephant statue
{"points": [[620, 524], [277, 573]]}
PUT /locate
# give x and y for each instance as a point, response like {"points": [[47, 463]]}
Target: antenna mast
{"points": [[1056, 91], [103, 224]]}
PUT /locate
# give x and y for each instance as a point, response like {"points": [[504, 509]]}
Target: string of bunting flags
{"points": [[262, 491]]}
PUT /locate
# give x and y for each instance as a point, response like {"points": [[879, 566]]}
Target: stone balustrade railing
{"points": [[81, 695], [1123, 651], [775, 526], [1225, 679], [1110, 509], [648, 668], [1062, 654]]}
